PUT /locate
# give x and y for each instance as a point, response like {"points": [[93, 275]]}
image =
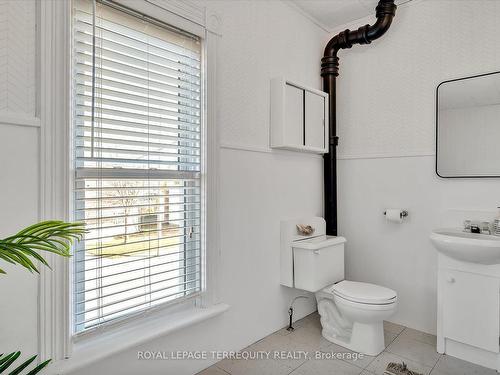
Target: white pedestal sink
{"points": [[468, 247]]}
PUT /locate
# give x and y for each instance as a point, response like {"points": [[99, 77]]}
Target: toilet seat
{"points": [[362, 293]]}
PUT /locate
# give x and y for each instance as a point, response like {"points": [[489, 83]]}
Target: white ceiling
{"points": [[332, 13]]}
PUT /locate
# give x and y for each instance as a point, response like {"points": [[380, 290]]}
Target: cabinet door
{"points": [[294, 116], [471, 309], [314, 120]]}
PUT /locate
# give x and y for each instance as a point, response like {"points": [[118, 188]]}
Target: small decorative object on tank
{"points": [[306, 230]]}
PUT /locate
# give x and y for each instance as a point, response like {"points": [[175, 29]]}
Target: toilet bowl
{"points": [[352, 314]]}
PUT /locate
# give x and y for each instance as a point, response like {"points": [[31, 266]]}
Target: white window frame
{"points": [[55, 336], [142, 174]]}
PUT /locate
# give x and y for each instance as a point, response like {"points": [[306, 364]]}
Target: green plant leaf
{"points": [[23, 365], [51, 236], [5, 358], [8, 360], [39, 368]]}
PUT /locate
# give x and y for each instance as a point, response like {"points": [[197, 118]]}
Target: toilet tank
{"points": [[318, 262], [310, 261]]}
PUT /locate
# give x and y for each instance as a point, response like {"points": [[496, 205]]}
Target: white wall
{"points": [[19, 208], [19, 182], [386, 120], [258, 188]]}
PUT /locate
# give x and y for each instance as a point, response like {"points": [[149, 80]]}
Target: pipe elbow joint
{"points": [[385, 12], [332, 46], [379, 28]]}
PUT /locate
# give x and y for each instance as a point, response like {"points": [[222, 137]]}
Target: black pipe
{"points": [[385, 12]]}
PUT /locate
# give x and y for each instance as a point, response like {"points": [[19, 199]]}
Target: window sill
{"points": [[134, 333]]}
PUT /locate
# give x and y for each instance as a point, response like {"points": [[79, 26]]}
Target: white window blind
{"points": [[136, 100]]}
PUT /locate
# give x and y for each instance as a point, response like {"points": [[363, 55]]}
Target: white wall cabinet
{"points": [[299, 117]]}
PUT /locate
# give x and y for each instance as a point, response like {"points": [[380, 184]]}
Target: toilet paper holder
{"points": [[402, 214]]}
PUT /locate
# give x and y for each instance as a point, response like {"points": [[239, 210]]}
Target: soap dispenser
{"points": [[496, 224]]}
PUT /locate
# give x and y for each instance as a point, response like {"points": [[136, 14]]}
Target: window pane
{"points": [[137, 155]]}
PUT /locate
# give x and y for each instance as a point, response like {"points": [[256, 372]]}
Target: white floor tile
{"points": [[393, 327], [327, 367], [276, 343], [309, 338], [314, 320], [255, 367], [416, 351], [299, 323], [389, 337], [413, 334], [283, 332], [304, 339], [448, 365], [380, 363], [310, 322], [349, 356], [212, 370]]}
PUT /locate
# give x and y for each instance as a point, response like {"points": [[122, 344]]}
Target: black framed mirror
{"points": [[468, 127]]}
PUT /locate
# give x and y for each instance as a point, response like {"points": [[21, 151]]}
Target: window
{"points": [[137, 163]]}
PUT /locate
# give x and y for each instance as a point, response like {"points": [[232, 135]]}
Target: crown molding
{"points": [[305, 14]]}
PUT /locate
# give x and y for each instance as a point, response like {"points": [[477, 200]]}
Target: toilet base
{"points": [[357, 326], [365, 338]]}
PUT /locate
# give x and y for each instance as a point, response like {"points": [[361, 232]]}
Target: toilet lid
{"points": [[363, 292]]}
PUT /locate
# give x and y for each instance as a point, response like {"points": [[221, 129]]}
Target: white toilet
{"points": [[352, 313]]}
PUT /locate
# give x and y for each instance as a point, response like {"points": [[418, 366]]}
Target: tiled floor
{"points": [[415, 348]]}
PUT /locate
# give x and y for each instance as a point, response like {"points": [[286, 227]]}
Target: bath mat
{"points": [[399, 369]]}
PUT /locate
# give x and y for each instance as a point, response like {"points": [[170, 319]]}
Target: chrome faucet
{"points": [[474, 228]]}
